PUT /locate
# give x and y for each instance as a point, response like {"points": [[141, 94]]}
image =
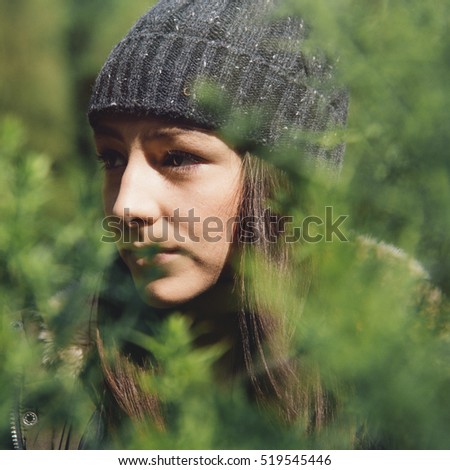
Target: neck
{"points": [[214, 320]]}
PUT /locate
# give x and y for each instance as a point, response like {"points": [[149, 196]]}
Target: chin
{"points": [[158, 301], [167, 293]]}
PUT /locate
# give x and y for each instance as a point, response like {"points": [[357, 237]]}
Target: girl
{"points": [[194, 201], [179, 110]]}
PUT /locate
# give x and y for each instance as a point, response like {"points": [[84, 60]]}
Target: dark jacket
{"points": [[49, 392]]}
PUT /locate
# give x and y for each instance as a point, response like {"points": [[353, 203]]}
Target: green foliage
{"points": [[373, 325], [393, 57], [35, 276], [372, 338]]}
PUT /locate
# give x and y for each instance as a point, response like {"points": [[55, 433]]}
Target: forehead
{"points": [[151, 127]]}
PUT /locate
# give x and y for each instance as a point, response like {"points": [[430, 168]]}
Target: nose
{"points": [[137, 196]]}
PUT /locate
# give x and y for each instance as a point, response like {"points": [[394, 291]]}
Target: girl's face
{"points": [[171, 194]]}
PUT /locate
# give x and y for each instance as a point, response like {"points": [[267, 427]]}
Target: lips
{"points": [[150, 255]]}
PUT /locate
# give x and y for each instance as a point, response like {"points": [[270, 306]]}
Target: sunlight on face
{"points": [[175, 191]]}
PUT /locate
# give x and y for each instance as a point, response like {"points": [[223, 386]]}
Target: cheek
{"points": [[218, 212], [224, 195], [218, 228]]}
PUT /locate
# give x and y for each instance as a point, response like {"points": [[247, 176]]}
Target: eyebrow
{"points": [[106, 131]]}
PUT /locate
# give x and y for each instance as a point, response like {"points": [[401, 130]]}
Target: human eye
{"points": [[181, 161], [111, 159]]}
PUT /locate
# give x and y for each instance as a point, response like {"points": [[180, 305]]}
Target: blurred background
{"points": [[394, 58], [50, 54]]}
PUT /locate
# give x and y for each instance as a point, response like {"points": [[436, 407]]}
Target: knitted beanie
{"points": [[253, 58]]}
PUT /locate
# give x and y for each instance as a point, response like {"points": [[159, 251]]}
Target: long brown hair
{"points": [[278, 379]]}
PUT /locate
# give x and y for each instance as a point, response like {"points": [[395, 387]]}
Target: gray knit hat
{"points": [[254, 59]]}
